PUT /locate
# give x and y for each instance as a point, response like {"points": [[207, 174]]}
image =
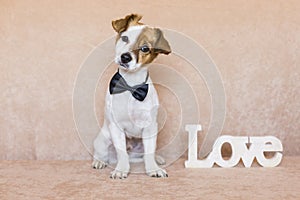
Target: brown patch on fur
{"points": [[122, 25], [154, 39]]}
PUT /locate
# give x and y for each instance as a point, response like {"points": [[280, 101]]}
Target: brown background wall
{"points": [[255, 45]]}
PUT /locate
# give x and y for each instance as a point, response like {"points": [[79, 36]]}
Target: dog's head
{"points": [[137, 44]]}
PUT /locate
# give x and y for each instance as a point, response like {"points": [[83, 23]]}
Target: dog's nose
{"points": [[126, 58]]}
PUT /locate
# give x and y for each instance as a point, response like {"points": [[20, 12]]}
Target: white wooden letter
{"points": [[238, 144], [193, 161], [269, 144]]}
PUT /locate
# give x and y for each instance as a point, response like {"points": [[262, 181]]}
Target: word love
{"points": [[240, 150]]}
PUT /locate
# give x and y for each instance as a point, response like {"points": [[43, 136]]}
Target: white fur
{"points": [[132, 33], [126, 116]]}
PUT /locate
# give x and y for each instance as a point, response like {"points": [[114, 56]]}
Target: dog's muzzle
{"points": [[126, 58]]}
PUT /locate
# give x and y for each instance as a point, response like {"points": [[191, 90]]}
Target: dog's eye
{"points": [[145, 49], [124, 38]]}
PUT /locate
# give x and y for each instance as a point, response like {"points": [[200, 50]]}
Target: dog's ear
{"points": [[161, 45], [121, 25]]}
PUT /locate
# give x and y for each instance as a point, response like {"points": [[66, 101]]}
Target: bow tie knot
{"points": [[118, 85]]}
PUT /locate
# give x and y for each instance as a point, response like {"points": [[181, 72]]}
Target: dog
{"points": [[131, 102]]}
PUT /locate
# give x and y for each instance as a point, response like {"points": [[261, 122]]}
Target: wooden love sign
{"points": [[258, 145]]}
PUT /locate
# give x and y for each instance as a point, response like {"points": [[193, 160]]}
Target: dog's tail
{"points": [[160, 160], [133, 158]]}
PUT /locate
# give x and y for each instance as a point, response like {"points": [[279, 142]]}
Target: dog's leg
{"points": [[119, 141], [149, 141], [101, 144]]}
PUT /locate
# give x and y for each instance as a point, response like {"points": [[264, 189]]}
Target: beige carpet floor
{"points": [[77, 180]]}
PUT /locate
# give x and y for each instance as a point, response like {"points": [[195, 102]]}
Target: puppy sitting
{"points": [[131, 103]]}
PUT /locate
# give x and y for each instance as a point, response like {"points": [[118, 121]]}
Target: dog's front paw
{"points": [[118, 174], [159, 173], [98, 164]]}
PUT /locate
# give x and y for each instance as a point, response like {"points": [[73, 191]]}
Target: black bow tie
{"points": [[118, 85]]}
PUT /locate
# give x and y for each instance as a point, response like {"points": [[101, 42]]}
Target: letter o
{"points": [[234, 159]]}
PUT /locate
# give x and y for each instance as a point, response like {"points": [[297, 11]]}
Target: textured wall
{"points": [[255, 45]]}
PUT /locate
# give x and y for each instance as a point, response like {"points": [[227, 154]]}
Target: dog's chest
{"points": [[130, 114]]}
